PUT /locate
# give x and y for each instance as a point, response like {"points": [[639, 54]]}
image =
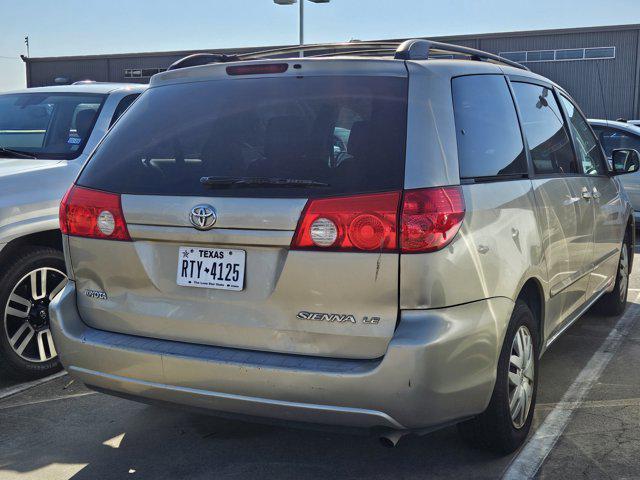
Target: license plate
{"points": [[211, 268]]}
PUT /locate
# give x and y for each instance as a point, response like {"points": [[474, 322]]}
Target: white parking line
{"points": [[7, 392], [617, 403], [531, 457], [46, 400]]}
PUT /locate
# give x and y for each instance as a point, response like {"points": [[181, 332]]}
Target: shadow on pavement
{"points": [[162, 443]]}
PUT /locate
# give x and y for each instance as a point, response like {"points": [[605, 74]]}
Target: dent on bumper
{"points": [[439, 367]]}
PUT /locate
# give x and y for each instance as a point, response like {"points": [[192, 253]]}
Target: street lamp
{"points": [[301, 15]]}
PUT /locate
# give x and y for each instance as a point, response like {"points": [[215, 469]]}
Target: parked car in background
{"points": [[219, 257], [46, 135], [616, 134]]}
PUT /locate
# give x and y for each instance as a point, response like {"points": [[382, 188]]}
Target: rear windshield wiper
{"points": [[16, 153], [259, 181]]}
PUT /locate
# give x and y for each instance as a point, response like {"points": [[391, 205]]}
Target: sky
{"points": [[82, 27]]}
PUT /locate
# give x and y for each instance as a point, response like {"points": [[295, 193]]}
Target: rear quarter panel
{"points": [[497, 249], [499, 246]]}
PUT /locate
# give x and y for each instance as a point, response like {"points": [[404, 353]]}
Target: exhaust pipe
{"points": [[391, 439]]}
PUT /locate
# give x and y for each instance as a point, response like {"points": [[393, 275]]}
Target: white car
{"points": [[616, 134], [46, 136]]}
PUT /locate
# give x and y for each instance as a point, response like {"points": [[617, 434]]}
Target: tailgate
{"points": [[308, 302], [234, 280]]}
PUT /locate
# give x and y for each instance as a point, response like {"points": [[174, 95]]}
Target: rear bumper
{"points": [[439, 367]]}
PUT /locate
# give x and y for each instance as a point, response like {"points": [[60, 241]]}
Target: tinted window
{"points": [[515, 56], [604, 52], [575, 54], [547, 136], [489, 139], [613, 138], [540, 55], [589, 152], [122, 106], [347, 132], [48, 125]]}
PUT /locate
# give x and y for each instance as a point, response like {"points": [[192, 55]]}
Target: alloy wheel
{"points": [[521, 376], [26, 314]]}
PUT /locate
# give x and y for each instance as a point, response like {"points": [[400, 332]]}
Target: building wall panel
{"points": [[604, 88], [45, 73]]}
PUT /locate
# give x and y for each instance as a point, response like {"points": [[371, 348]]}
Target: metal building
{"points": [[599, 66]]}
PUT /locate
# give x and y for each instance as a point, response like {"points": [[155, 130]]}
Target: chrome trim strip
{"points": [[581, 312], [567, 282], [606, 257], [560, 286], [215, 236]]}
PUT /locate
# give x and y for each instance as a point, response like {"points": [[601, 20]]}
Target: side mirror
{"points": [[625, 160]]}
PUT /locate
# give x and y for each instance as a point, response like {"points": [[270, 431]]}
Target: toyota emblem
{"points": [[203, 217]]}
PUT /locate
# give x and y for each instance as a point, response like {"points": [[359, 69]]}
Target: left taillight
{"points": [[93, 214], [354, 223], [413, 221]]}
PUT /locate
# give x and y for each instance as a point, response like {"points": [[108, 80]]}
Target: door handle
{"points": [[595, 193], [586, 194]]}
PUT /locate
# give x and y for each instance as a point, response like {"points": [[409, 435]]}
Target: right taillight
{"points": [[430, 218], [93, 214]]}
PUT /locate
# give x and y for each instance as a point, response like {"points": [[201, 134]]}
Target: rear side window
{"points": [[122, 106], [48, 125], [488, 133], [346, 133], [549, 143], [613, 138], [588, 149]]}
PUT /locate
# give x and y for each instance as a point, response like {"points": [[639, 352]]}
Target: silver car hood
{"points": [[11, 166]]}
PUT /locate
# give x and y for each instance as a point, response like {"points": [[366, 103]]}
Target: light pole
{"points": [[301, 15]]}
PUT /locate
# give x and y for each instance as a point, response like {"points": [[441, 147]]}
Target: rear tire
{"points": [[615, 302], [502, 427], [26, 348]]}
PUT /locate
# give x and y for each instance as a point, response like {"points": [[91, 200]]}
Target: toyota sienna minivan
{"points": [[387, 238]]}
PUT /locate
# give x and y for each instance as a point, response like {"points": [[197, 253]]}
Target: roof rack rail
{"points": [[202, 59], [322, 48], [420, 49], [414, 49], [370, 51]]}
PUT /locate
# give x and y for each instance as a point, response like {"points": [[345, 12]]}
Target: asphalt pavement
{"points": [[587, 425]]}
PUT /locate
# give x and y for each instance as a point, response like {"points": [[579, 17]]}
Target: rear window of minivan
{"points": [[345, 134]]}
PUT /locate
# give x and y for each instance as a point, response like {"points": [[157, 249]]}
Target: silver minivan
{"points": [[385, 238]]}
